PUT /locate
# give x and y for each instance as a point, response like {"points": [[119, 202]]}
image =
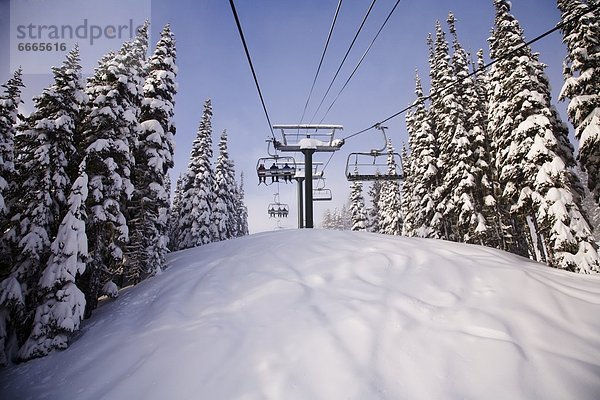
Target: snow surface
{"points": [[314, 314]]}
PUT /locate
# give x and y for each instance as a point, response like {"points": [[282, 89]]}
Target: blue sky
{"points": [[285, 39]]}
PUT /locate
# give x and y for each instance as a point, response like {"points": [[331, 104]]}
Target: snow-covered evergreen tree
{"points": [[464, 179], [241, 209], [135, 265], [484, 153], [582, 82], [111, 129], [446, 113], [195, 226], [534, 155], [226, 195], [9, 104], [154, 158], [423, 168], [11, 298], [62, 304], [45, 153], [407, 204], [390, 215], [346, 218], [338, 219], [357, 207], [327, 222], [373, 211], [591, 207], [174, 215], [442, 112]]}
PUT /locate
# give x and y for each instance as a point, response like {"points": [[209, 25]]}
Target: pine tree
{"points": [[175, 215], [407, 204], [590, 206], [357, 207], [154, 158], [138, 215], [534, 155], [423, 168], [484, 153], [390, 216], [62, 304], [582, 82], [45, 148], [327, 222], [224, 211], [241, 210], [442, 112], [346, 218], [338, 219], [464, 178], [9, 104], [110, 130], [195, 226], [11, 297], [373, 212]]}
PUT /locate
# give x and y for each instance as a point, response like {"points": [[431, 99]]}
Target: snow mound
{"points": [[313, 314]]}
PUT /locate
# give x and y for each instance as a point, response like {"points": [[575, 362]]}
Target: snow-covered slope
{"points": [[318, 314]]}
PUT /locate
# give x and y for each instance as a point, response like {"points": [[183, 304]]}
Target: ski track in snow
{"points": [[313, 314]]}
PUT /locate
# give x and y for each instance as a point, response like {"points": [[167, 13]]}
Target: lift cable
{"points": [[361, 60], [344, 59], [239, 27], [508, 55], [322, 57]]}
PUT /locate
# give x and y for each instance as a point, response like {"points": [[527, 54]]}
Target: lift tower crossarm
{"points": [[317, 137], [309, 126]]}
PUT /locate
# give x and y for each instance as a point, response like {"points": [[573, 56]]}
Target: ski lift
{"points": [[373, 166], [320, 193], [275, 167], [278, 210]]}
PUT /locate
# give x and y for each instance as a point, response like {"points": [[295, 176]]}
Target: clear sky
{"points": [[285, 39]]}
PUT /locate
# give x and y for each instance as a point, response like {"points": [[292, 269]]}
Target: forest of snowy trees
{"points": [[489, 160], [85, 204]]}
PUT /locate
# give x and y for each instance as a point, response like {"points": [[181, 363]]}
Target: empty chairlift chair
{"points": [[375, 164], [372, 166]]}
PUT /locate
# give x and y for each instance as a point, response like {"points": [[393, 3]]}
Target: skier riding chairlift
{"points": [[274, 173], [262, 172], [287, 173]]}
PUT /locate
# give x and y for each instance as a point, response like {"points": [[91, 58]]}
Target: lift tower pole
{"points": [[308, 183], [308, 139], [300, 203]]}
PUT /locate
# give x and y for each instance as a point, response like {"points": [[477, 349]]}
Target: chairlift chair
{"points": [[276, 168], [278, 210], [321, 194], [372, 166]]}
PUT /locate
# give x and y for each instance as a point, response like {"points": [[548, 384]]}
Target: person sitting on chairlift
{"points": [[262, 174], [274, 173], [287, 173]]}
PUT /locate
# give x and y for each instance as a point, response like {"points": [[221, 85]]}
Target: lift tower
{"points": [[308, 139]]}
